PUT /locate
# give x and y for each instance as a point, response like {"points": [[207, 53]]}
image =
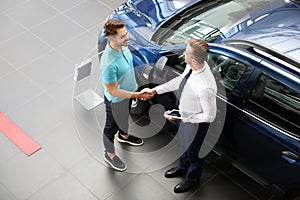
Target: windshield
{"points": [[208, 20]]}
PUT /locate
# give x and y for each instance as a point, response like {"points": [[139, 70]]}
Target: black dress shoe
{"points": [[174, 172], [184, 186]]}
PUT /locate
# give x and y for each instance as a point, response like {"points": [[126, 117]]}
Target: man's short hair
{"points": [[200, 49], [111, 27]]}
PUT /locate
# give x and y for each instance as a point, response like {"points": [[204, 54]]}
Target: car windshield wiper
{"points": [[189, 12], [133, 9], [201, 7]]}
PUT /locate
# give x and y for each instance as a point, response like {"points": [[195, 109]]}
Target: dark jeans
{"points": [[191, 138], [117, 115]]}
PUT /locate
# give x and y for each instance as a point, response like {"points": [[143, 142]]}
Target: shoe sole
{"points": [[131, 143], [112, 166]]}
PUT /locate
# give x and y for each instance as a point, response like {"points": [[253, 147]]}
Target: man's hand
{"points": [[147, 94], [170, 117]]}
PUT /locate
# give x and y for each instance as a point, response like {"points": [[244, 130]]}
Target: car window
{"points": [[273, 101], [227, 72]]}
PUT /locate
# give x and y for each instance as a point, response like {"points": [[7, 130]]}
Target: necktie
{"points": [[181, 86]]}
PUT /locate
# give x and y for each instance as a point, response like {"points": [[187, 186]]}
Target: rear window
{"points": [[278, 104]]}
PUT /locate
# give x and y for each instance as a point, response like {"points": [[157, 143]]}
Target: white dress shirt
{"points": [[198, 98]]}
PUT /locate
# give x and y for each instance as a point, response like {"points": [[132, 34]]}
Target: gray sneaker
{"points": [[116, 163]]}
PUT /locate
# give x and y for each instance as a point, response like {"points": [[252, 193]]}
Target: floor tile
{"points": [[100, 179], [112, 4], [90, 140], [96, 29], [221, 188], [11, 28], [143, 187], [22, 13], [152, 143], [58, 30], [147, 127], [10, 4], [89, 13], [49, 70], [64, 187], [62, 93], [80, 48], [38, 116], [15, 90], [23, 49], [5, 68], [7, 149], [23, 175], [62, 5], [68, 149], [4, 194]]}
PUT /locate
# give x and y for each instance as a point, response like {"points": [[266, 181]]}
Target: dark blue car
{"points": [[257, 72]]}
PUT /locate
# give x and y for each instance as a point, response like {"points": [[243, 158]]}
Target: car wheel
{"points": [[139, 107]]}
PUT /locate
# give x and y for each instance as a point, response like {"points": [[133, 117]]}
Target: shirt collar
{"points": [[200, 70], [112, 51]]}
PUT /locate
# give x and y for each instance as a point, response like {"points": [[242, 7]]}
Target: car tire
{"points": [[139, 107]]}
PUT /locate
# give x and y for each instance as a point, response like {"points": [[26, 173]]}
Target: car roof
{"points": [[287, 62], [280, 30]]}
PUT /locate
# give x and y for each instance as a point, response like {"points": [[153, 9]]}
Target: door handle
{"points": [[290, 157]]}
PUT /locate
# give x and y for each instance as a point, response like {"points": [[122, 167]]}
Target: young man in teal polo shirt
{"points": [[118, 79]]}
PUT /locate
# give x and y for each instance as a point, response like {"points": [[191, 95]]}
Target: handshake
{"points": [[146, 94]]}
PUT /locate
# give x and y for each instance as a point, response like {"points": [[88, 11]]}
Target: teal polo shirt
{"points": [[117, 66]]}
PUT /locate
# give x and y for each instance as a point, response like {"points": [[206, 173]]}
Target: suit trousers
{"points": [[191, 139]]}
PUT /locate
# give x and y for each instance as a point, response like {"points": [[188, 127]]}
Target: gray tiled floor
{"points": [[40, 43]]}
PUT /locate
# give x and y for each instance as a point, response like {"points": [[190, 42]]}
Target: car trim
{"points": [[288, 59], [278, 70], [221, 97], [265, 122]]}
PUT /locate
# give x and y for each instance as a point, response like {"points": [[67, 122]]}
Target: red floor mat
{"points": [[17, 136]]}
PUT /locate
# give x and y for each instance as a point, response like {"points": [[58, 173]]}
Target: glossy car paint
{"points": [[279, 29]]}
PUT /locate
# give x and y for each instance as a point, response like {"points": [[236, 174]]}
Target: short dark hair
{"points": [[200, 49], [111, 26]]}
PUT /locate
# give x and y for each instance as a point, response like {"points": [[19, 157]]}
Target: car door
{"points": [[263, 134]]}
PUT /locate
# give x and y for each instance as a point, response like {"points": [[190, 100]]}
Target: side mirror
{"points": [[147, 72], [160, 64], [158, 69]]}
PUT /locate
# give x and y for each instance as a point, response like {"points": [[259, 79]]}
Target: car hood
{"points": [[146, 15], [159, 10]]}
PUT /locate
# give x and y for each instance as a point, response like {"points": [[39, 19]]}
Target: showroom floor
{"points": [[41, 41]]}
